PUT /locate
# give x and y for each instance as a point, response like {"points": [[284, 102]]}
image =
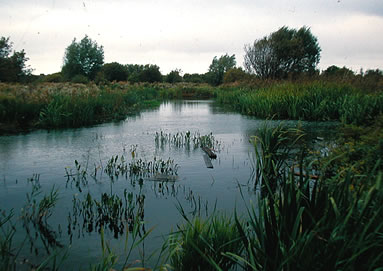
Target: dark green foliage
{"points": [[359, 148], [115, 72], [53, 78], [286, 52], [307, 101], [334, 71], [200, 244], [80, 79], [194, 78], [260, 59], [234, 75], [13, 67], [82, 58], [150, 74], [174, 77], [218, 67], [316, 225], [273, 147]]}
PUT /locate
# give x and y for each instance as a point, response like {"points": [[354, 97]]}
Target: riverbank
{"points": [[307, 100], [66, 105]]}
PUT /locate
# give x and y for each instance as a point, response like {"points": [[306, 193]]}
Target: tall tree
{"points": [[150, 73], [83, 58], [218, 67], [13, 67], [115, 72], [283, 53], [260, 58]]}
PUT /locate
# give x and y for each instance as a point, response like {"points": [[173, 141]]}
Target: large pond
{"points": [[73, 162]]}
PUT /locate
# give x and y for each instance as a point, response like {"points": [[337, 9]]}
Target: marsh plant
{"points": [[35, 214], [78, 175], [203, 244], [186, 140], [315, 225], [313, 100], [109, 212], [273, 149]]}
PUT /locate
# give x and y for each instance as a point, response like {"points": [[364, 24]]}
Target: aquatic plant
{"points": [[110, 211], [201, 244], [273, 147], [35, 214], [186, 140], [315, 224]]}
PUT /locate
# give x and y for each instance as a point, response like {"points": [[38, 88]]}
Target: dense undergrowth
{"points": [[312, 100], [61, 105]]}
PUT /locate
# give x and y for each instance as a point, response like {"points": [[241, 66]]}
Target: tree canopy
{"points": [[13, 67], [83, 58], [283, 53], [115, 72], [218, 67]]}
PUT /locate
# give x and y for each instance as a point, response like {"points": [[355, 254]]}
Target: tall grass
{"points": [[201, 244], [316, 101], [273, 149], [315, 225], [54, 105]]}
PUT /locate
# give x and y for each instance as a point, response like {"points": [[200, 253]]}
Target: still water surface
{"points": [[51, 154]]}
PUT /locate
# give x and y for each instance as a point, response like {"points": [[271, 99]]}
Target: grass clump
{"points": [[202, 244], [315, 225]]}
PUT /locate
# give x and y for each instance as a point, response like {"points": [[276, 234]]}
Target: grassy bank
{"points": [[314, 101], [60, 105]]}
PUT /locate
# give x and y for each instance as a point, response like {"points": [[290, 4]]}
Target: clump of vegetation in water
{"points": [[186, 140], [273, 150], [110, 211], [201, 244]]}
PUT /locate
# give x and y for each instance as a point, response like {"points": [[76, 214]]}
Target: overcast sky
{"points": [[187, 34]]}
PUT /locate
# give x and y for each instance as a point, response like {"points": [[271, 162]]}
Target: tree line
{"points": [[284, 54]]}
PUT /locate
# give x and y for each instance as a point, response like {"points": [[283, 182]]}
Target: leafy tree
{"points": [[134, 71], [194, 78], [218, 67], [234, 75], [174, 76], [335, 71], [13, 67], [115, 72], [151, 74], [283, 53], [261, 59], [82, 58]]}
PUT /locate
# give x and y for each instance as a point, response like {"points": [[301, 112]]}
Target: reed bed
{"points": [[186, 140], [57, 105], [314, 101]]}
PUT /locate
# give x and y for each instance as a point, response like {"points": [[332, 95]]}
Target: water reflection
{"points": [[114, 175]]}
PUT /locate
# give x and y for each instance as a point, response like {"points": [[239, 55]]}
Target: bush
{"points": [[53, 78], [234, 75], [80, 79]]}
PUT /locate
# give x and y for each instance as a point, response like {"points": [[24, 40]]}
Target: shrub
{"points": [[80, 79]]}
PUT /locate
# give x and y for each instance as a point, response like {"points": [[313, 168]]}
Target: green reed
{"points": [[201, 244], [316, 101], [186, 140]]}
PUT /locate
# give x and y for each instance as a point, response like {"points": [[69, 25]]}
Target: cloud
{"points": [[188, 34]]}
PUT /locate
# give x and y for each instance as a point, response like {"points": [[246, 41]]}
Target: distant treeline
{"points": [[286, 54]]}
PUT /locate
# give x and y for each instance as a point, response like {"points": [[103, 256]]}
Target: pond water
{"points": [[45, 160]]}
